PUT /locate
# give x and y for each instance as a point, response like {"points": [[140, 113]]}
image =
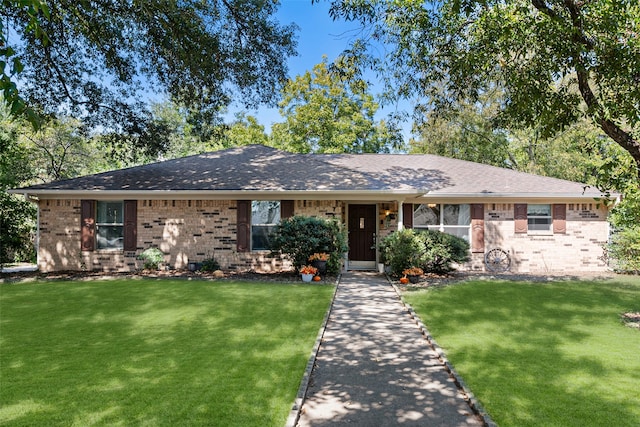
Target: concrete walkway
{"points": [[375, 368]]}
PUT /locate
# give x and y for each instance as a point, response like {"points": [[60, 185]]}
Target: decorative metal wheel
{"points": [[497, 260]]}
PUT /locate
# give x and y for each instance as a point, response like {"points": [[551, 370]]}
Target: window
{"points": [[265, 215], [451, 219], [539, 218], [109, 225]]}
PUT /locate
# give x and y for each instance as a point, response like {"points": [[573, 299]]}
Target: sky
{"points": [[317, 35]]}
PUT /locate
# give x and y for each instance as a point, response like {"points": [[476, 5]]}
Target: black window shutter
{"points": [[243, 239], [130, 225], [286, 208], [88, 224], [407, 215]]}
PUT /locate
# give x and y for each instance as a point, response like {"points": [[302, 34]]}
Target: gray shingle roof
{"points": [[263, 169]]}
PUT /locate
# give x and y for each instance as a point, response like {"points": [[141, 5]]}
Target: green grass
{"points": [[552, 354], [154, 352]]}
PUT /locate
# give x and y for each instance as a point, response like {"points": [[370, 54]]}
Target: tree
{"points": [[183, 138], [32, 10], [328, 112], [244, 130], [17, 215], [466, 132], [61, 150], [558, 60], [99, 60]]}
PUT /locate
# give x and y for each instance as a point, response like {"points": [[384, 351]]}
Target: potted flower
{"points": [[413, 274], [307, 272], [319, 261]]}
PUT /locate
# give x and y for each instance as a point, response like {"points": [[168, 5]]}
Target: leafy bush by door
{"points": [[431, 250], [299, 237]]}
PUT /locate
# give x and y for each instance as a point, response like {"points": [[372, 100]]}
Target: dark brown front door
{"points": [[362, 232]]}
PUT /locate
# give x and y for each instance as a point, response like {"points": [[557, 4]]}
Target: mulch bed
{"points": [[435, 280], [276, 277]]}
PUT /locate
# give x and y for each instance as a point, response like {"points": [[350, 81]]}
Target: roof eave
{"points": [[507, 197], [220, 194]]}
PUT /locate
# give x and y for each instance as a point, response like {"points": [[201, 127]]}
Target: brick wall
{"points": [[59, 237], [185, 230], [193, 230], [577, 250]]}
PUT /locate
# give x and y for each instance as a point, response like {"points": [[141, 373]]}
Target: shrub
{"points": [[431, 250], [624, 250], [152, 257], [17, 229], [403, 249], [442, 250], [299, 237], [210, 264]]}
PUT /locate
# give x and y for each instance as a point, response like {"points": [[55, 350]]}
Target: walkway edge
{"points": [[294, 414], [475, 405]]}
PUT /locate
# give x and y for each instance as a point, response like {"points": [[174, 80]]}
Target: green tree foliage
{"points": [[17, 229], [557, 60], [244, 130], [17, 215], [327, 111], [96, 61], [10, 63], [299, 237], [466, 132], [624, 250], [181, 139], [61, 150], [581, 152]]}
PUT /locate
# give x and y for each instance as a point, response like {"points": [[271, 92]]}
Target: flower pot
{"points": [[320, 265], [380, 267], [307, 277], [413, 278]]}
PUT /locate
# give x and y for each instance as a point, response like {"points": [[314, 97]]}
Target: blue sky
{"points": [[318, 35]]}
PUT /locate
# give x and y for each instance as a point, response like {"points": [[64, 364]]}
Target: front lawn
{"points": [[552, 354], [155, 352]]}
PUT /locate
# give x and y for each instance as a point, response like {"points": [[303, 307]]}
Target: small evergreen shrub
{"points": [[210, 264], [151, 257], [299, 237]]}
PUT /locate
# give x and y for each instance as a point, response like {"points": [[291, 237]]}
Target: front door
{"points": [[362, 236]]}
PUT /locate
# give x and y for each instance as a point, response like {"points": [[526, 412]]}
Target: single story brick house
{"points": [[222, 204]]}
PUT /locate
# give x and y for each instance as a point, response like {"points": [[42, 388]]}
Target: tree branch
{"points": [[613, 130]]}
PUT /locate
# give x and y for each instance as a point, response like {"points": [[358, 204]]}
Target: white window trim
{"points": [[251, 224], [442, 227], [549, 231], [109, 224]]}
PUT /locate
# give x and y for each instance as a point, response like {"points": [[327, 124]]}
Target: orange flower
{"points": [[413, 271], [308, 269], [321, 256]]}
